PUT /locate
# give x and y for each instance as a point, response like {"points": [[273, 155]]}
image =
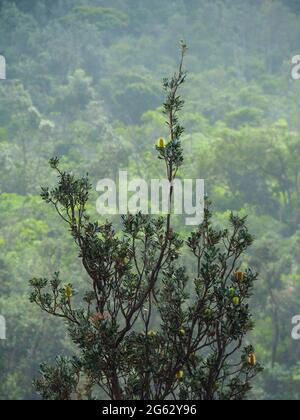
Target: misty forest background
{"points": [[84, 83]]}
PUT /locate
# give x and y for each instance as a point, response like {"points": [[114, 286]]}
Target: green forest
{"points": [[84, 84]]}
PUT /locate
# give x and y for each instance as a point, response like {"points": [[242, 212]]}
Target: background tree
{"points": [[188, 348]]}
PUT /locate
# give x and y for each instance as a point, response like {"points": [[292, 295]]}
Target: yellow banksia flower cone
{"points": [[161, 143], [236, 301], [68, 291], [180, 374], [252, 360], [208, 313], [239, 276]]}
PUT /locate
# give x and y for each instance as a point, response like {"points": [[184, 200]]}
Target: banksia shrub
{"points": [[145, 329]]}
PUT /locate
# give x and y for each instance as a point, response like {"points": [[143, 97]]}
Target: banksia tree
{"points": [[145, 330]]}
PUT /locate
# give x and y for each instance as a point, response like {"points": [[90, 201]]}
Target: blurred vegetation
{"points": [[83, 82]]}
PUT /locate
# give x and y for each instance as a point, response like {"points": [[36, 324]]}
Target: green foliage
{"points": [[244, 116], [63, 381], [102, 17]]}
